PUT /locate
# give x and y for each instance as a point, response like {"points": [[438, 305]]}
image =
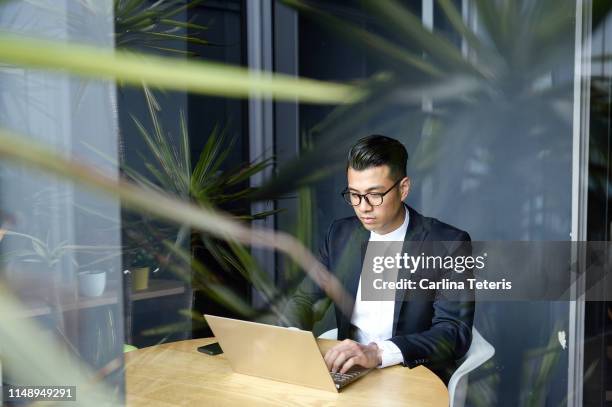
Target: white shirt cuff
{"points": [[391, 354]]}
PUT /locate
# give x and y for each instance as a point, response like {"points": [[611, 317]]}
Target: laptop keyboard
{"points": [[342, 379]]}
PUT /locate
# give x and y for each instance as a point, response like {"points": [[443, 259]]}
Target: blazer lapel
{"points": [[359, 240], [416, 232]]}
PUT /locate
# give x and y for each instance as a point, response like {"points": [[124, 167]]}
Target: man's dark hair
{"points": [[376, 150]]}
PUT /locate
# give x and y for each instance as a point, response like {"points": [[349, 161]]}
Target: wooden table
{"points": [[177, 374]]}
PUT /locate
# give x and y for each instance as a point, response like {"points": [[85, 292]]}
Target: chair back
{"points": [[480, 351]]}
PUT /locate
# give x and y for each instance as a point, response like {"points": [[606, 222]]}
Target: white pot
{"points": [[92, 283]]}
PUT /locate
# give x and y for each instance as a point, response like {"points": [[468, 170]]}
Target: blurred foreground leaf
{"points": [[168, 73]]}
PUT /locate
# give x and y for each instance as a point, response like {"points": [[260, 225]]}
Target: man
{"points": [[423, 327]]}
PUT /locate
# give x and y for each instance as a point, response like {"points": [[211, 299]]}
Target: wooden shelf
{"points": [[36, 308], [159, 288], [107, 298]]}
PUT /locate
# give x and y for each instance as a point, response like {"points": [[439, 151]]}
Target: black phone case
{"points": [[211, 349]]}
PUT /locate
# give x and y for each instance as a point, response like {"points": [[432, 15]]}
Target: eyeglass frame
{"points": [[365, 196]]}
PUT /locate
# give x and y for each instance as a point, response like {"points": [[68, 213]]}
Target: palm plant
{"points": [[172, 172], [41, 251], [207, 185], [142, 24]]}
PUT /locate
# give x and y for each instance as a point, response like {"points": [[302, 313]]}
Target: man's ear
{"points": [[405, 187]]}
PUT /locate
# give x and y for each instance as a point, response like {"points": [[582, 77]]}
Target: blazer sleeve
{"points": [[299, 309], [450, 334]]}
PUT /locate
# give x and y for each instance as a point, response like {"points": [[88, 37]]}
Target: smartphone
{"points": [[212, 349]]}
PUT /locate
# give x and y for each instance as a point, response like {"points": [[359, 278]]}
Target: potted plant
{"points": [[140, 269], [142, 253], [29, 264]]}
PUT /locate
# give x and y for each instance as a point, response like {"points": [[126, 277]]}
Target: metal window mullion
{"points": [[427, 18], [260, 122], [580, 162]]}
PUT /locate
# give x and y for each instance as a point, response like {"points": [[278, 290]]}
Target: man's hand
{"points": [[349, 353]]}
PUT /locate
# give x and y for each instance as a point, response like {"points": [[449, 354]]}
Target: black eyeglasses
{"points": [[372, 198]]}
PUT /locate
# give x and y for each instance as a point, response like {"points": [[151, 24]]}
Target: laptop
{"points": [[283, 354]]}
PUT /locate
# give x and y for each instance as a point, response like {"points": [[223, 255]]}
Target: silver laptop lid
{"points": [[272, 352]]}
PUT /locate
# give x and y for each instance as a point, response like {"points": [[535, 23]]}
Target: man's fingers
{"points": [[340, 359], [329, 358], [350, 363], [332, 354], [339, 355]]}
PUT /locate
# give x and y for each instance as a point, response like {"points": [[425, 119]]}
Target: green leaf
{"points": [[11, 233], [158, 146], [179, 37], [221, 156], [375, 42], [204, 280], [183, 24], [207, 156], [140, 19], [265, 214], [177, 10], [456, 20], [186, 152], [140, 179], [127, 7], [39, 249], [169, 73], [229, 298], [167, 49], [246, 173], [400, 19]]}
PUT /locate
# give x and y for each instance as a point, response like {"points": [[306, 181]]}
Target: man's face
{"points": [[388, 216]]}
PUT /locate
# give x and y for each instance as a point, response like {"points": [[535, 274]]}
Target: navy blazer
{"points": [[428, 328]]}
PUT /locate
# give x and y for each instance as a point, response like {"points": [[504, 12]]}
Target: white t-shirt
{"points": [[374, 319]]}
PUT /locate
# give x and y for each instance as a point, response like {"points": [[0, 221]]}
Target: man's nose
{"points": [[364, 205]]}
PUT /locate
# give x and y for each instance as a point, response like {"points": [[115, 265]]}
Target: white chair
{"points": [[480, 351]]}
